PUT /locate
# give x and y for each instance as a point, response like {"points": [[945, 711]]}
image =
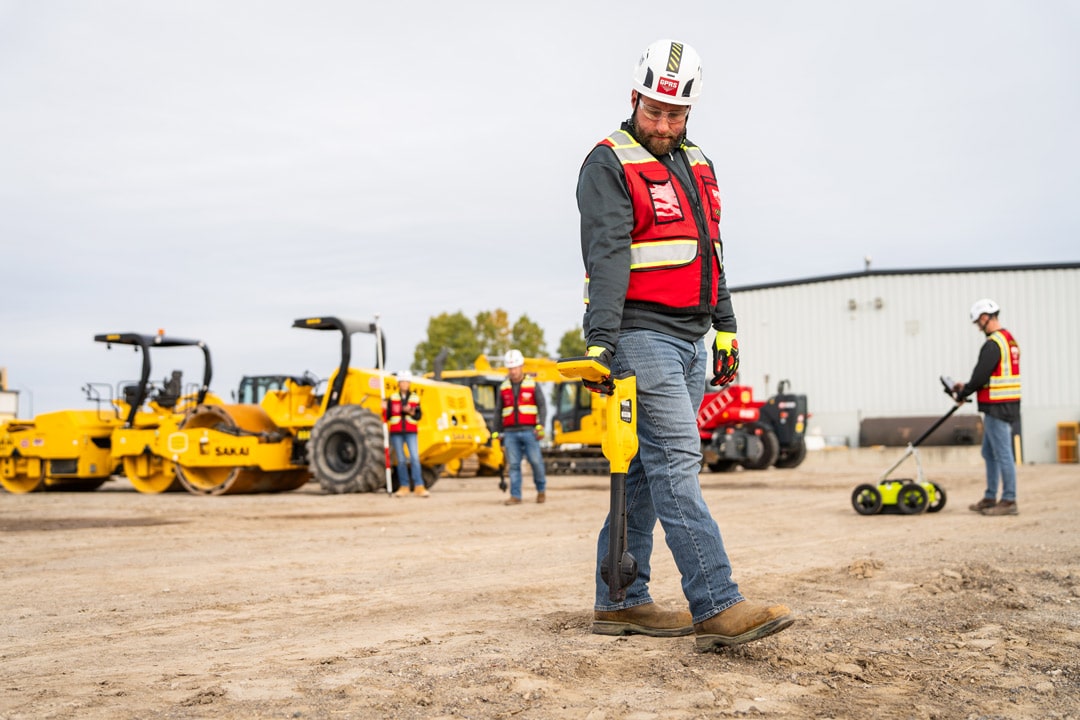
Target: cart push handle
{"points": [[948, 384], [620, 444]]}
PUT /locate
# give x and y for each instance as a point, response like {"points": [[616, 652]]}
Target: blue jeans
{"points": [[398, 442], [515, 444], [662, 482], [997, 452]]}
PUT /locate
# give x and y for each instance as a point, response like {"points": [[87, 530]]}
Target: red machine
{"points": [[737, 430]]}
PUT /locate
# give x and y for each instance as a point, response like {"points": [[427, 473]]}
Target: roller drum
{"points": [[236, 479]]}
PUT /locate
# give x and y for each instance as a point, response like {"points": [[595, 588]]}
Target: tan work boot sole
{"points": [[712, 643], [608, 627]]}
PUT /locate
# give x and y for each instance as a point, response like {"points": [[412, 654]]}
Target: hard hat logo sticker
{"points": [[667, 86]]}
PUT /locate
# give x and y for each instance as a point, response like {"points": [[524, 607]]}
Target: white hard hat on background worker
{"points": [[513, 359]]}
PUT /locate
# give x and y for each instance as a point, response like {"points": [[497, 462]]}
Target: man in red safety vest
{"points": [[655, 286], [520, 426]]}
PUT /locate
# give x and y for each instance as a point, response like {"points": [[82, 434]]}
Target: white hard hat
{"points": [[986, 305], [513, 359], [404, 376], [669, 71]]}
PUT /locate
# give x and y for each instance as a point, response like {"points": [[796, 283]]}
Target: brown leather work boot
{"points": [[645, 619], [541, 497], [1005, 507], [741, 623], [984, 504]]}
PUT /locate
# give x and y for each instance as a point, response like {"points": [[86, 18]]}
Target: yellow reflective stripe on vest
{"points": [[1006, 386], [522, 410], [694, 155], [629, 151], [662, 253]]}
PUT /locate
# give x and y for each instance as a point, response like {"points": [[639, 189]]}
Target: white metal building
{"points": [[873, 344]]}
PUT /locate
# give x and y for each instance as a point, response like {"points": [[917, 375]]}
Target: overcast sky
{"points": [[218, 169]]}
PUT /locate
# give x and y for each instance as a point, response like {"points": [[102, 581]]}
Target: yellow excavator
{"points": [[578, 418], [483, 381]]}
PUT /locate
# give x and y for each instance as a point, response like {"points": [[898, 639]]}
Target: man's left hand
{"points": [[725, 358]]}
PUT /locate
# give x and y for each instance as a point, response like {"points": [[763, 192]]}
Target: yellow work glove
{"points": [[725, 358], [539, 432]]}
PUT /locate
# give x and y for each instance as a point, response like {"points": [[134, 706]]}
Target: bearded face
{"points": [[659, 127]]}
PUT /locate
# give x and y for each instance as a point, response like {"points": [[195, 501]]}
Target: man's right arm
{"points": [[607, 218]]}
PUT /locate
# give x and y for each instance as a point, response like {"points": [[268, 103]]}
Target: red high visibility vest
{"points": [[1004, 385], [667, 262], [525, 411], [396, 418]]}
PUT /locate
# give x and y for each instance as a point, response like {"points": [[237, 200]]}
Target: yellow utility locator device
{"points": [[620, 444]]}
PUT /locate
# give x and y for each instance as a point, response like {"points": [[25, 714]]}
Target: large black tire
{"points": [[762, 448], [346, 452], [793, 455]]}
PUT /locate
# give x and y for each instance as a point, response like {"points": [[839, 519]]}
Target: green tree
{"points": [[527, 337], [455, 333], [493, 332], [572, 343]]}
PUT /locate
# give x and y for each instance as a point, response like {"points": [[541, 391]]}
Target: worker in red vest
{"points": [[655, 286], [520, 426], [996, 382], [402, 413]]}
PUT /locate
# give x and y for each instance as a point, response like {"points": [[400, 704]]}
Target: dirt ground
{"points": [[302, 605]]}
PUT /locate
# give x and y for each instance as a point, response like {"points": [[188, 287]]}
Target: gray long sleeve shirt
{"points": [[607, 218]]}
